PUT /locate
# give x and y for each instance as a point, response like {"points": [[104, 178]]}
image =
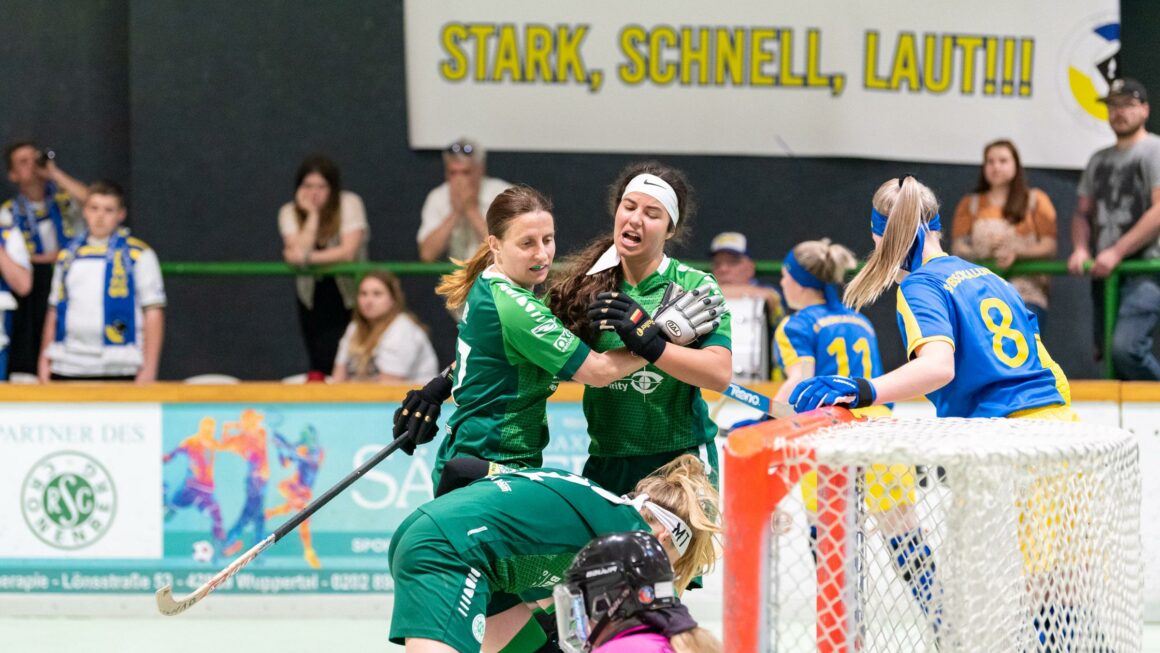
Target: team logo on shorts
{"points": [[68, 500], [1090, 60], [478, 626]]}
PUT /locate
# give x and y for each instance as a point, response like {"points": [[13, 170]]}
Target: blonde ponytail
{"points": [[456, 285], [827, 261], [697, 640], [682, 486], [907, 205]]}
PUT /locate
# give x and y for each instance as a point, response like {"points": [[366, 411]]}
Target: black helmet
{"points": [[613, 577]]}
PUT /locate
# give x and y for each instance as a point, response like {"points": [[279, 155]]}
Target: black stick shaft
{"points": [[337, 489]]}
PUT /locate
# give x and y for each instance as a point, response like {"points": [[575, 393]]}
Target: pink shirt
{"points": [[636, 640]]}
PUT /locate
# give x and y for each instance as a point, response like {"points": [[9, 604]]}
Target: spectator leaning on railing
{"points": [[106, 317], [324, 224], [1006, 220], [1117, 216]]}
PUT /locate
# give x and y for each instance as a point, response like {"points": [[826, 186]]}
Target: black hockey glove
{"points": [[418, 417], [617, 311]]}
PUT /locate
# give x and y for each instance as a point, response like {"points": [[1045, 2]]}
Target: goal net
{"points": [[929, 534]]}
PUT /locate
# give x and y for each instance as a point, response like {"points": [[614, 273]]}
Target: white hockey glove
{"points": [[685, 316]]}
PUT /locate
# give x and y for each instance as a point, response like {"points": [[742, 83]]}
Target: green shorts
{"points": [[620, 474], [438, 594]]}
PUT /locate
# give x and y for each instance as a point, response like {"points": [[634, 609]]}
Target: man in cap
{"points": [[756, 308], [1117, 217]]}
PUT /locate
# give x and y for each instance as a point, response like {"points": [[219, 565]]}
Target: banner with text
{"points": [[130, 497], [897, 79]]}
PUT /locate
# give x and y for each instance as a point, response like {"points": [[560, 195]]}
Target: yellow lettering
{"points": [[633, 71], [454, 68], [814, 60], [731, 56], [691, 55], [870, 78], [1008, 66], [507, 56], [758, 56], [539, 39], [970, 46], [943, 61], [787, 76], [905, 63], [568, 60], [481, 32], [659, 71]]}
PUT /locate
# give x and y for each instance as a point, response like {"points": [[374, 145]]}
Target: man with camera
{"points": [[47, 211]]}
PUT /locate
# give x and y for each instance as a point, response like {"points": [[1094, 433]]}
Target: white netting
{"points": [[959, 535]]}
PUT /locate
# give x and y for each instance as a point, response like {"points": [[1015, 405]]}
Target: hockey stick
{"points": [[170, 606], [755, 399]]}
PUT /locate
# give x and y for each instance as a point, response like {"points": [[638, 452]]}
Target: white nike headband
{"points": [[678, 530], [657, 188]]}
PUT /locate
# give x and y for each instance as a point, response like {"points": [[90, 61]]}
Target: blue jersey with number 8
{"points": [[1001, 366]]}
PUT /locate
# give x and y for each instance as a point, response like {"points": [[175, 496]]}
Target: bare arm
{"points": [[18, 278], [346, 250], [1081, 232], [478, 222], [710, 368], [435, 243], [1144, 232], [43, 365], [154, 334], [932, 367], [794, 376], [600, 369], [74, 187]]}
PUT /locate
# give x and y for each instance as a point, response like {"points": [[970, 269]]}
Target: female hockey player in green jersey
{"points": [[461, 561], [511, 350], [640, 422]]}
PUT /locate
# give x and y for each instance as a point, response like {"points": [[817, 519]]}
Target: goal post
{"points": [[846, 535]]}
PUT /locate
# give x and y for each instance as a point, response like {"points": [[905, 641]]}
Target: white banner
{"points": [[80, 481], [884, 79]]}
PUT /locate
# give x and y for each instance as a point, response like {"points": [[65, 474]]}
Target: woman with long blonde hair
{"points": [[465, 563], [384, 342]]}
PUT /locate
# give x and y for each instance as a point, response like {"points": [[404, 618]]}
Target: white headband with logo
{"points": [[678, 530], [654, 187]]}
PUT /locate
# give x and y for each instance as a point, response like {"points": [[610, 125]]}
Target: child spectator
{"points": [[384, 342], [106, 317]]}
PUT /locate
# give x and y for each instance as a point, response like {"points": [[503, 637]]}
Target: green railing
{"points": [[411, 268]]}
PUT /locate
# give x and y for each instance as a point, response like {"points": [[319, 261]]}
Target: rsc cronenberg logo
{"points": [[68, 500]]}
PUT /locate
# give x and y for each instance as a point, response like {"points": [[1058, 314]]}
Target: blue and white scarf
{"points": [[28, 219], [120, 294]]}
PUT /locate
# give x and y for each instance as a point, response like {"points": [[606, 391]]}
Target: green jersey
{"points": [[650, 412], [522, 529], [510, 352]]}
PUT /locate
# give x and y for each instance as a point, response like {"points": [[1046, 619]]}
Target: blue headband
{"points": [[807, 280], [914, 258]]}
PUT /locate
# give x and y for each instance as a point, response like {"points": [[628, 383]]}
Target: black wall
{"points": [[204, 114]]}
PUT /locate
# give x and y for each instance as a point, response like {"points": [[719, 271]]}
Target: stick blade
{"points": [[170, 606]]}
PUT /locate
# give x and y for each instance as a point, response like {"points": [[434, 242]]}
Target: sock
{"points": [[914, 561]]}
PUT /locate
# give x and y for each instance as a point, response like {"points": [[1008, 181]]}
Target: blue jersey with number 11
{"points": [[837, 339], [1001, 367]]}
